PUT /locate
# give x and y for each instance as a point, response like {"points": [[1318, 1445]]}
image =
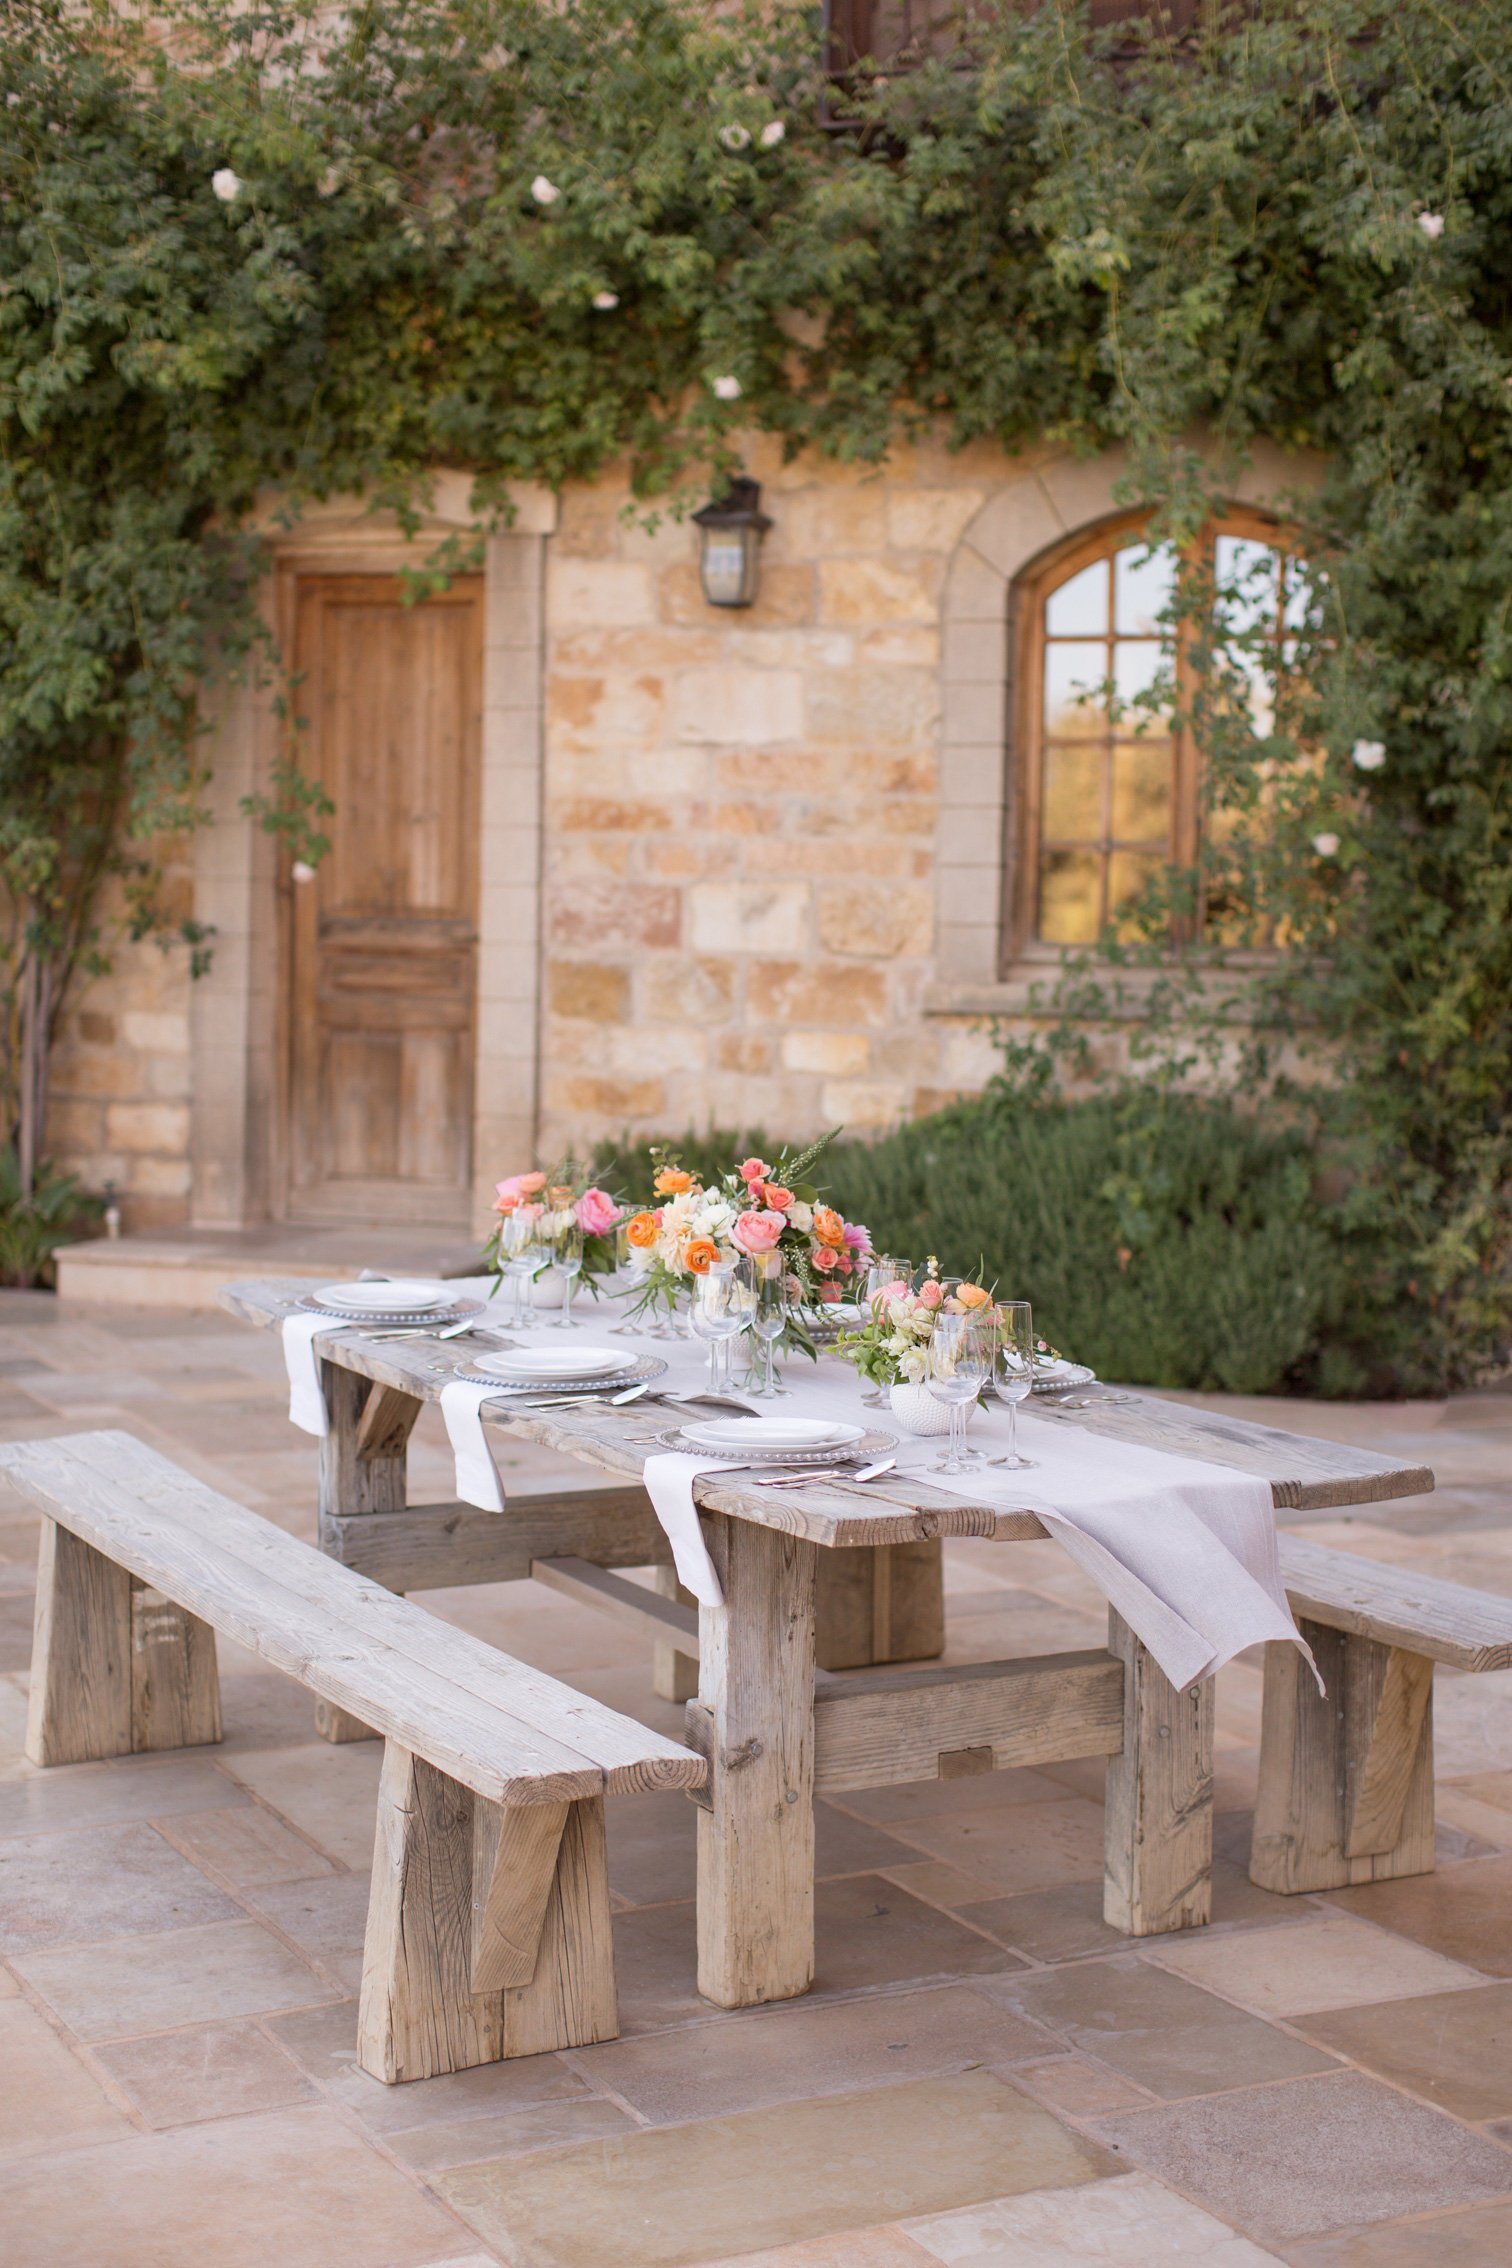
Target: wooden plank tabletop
{"points": [[1305, 1474]]}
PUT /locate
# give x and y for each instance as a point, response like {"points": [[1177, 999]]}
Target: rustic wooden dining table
{"points": [[831, 1590]]}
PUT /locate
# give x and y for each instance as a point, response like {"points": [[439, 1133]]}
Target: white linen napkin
{"points": [[307, 1406], [668, 1481], [1184, 1550], [478, 1479]]}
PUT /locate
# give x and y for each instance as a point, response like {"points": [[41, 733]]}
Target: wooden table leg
{"points": [[880, 1603], [1159, 1822], [754, 1719], [363, 1463], [674, 1676]]}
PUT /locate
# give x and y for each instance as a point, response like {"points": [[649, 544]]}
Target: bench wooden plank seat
{"points": [[488, 1928], [1346, 1778]]}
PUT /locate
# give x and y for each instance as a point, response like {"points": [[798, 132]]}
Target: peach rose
{"points": [[754, 1169], [672, 1182], [828, 1226], [970, 1295], [596, 1212], [517, 1186], [930, 1293], [757, 1232], [699, 1255], [826, 1259], [768, 1193], [643, 1230], [531, 1184]]}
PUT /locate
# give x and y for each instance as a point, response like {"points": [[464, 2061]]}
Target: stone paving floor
{"points": [[984, 2075]]}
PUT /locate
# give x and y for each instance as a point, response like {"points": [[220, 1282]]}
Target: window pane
{"points": [[1128, 876], [1248, 594], [1142, 789], [1138, 664], [1073, 807], [1079, 609], [1142, 585], [1071, 672], [1070, 897]]}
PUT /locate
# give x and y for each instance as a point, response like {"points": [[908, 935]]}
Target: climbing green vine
{"points": [[246, 248]]}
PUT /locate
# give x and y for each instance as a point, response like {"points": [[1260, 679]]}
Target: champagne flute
{"points": [[567, 1259], [765, 1276], [881, 1270], [628, 1261], [717, 1315], [1013, 1374], [961, 1353], [524, 1255]]}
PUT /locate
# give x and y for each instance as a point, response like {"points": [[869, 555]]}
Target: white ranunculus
{"points": [[735, 137], [727, 389], [801, 1215], [772, 133], [605, 300], [226, 185], [544, 192], [1368, 755], [1326, 846], [1432, 225]]}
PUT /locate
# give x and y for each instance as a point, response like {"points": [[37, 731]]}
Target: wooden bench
{"points": [[488, 1926], [1346, 1779]]}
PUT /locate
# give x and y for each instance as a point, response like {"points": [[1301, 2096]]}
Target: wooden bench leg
{"points": [[1159, 1819], [1346, 1777], [880, 1603], [117, 1669], [363, 1468], [754, 1720], [488, 1932]]}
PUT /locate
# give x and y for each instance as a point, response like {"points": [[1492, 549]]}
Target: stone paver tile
{"points": [[1454, 2049], [90, 1795], [656, 1963], [1036, 1846], [264, 1710], [870, 1932], [293, 2187], [330, 1792], [114, 1991], [1130, 2223], [442, 2143], [1067, 1924], [1479, 2238], [850, 2248], [671, 2196], [939, 1884], [1081, 2089], [1471, 1806], [653, 1846], [926, 1799], [1465, 1912], [781, 2054], [246, 1846], [326, 1918], [1157, 2029], [1329, 1961], [205, 2071], [1472, 1718], [99, 1882], [1313, 2155], [48, 2100], [323, 2042]]}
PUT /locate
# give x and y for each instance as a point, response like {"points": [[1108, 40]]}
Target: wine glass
{"points": [[717, 1314], [524, 1255], [1013, 1374], [567, 1259], [961, 1353], [881, 1270], [630, 1261], [765, 1278]]}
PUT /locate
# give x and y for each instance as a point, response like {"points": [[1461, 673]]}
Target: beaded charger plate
{"points": [[866, 1450], [639, 1370], [417, 1319], [1064, 1375]]}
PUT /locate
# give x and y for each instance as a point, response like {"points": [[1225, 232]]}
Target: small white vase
{"points": [[547, 1289], [917, 1411]]}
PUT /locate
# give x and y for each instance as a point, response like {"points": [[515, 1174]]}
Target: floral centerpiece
{"points": [[892, 1347], [756, 1208], [554, 1199]]}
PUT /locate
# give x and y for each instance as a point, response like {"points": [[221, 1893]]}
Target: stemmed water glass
{"points": [[961, 1353], [628, 1261], [718, 1314], [525, 1254], [764, 1281], [881, 1270], [567, 1259], [1013, 1373]]}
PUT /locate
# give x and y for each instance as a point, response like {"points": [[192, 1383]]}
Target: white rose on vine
{"points": [[226, 184], [1326, 846], [1432, 225], [1368, 755], [772, 133], [727, 389], [544, 192]]}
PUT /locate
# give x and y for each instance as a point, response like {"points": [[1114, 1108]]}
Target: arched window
{"points": [[1109, 784]]}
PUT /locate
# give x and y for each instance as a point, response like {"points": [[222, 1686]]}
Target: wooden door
{"points": [[384, 939]]}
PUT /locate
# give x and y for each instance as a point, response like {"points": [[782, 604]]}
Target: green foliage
{"points": [[1165, 1240], [33, 1225], [528, 239], [631, 1165]]}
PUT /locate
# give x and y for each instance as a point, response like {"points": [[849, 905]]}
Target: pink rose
{"points": [[754, 1169], [931, 1293], [596, 1212], [891, 1294], [757, 1232], [824, 1259]]}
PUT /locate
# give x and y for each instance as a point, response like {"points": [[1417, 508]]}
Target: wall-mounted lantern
{"points": [[730, 533]]}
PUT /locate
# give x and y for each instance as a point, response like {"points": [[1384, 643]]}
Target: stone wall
{"points": [[740, 813]]}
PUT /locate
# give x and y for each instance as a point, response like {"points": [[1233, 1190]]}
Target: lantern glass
{"points": [[727, 566]]}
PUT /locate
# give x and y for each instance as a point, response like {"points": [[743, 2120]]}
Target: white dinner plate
{"points": [[742, 1435], [1054, 1377], [384, 1299], [528, 1364]]}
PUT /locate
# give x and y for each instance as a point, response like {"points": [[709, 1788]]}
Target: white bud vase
{"points": [[547, 1290], [917, 1411]]}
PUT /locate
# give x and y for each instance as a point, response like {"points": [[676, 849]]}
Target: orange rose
{"points": [[699, 1255], [828, 1226], [672, 1182], [970, 1295], [643, 1230]]}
